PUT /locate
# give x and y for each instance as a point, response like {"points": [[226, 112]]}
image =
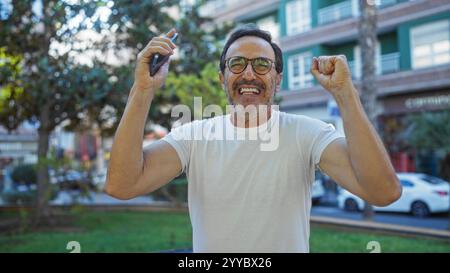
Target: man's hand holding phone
{"points": [[163, 46]]}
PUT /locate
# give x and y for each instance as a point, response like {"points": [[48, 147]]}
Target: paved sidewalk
{"points": [[68, 198], [381, 227]]}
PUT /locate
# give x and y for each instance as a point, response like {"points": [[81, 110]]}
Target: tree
{"points": [[200, 40], [197, 46], [429, 132], [24, 174], [46, 86], [206, 86], [367, 28]]}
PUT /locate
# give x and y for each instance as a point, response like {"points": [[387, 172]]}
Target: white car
{"points": [[422, 194], [99, 179], [317, 191]]}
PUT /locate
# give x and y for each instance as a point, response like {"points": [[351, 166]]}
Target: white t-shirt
{"points": [[245, 194]]}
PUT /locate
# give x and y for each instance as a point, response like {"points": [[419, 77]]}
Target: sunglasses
{"points": [[260, 65]]}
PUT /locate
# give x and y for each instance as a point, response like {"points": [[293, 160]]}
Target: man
{"points": [[243, 198]]}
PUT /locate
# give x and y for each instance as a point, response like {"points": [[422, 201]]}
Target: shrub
{"points": [[25, 198], [24, 174], [19, 198]]}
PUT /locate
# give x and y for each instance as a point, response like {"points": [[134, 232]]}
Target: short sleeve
{"points": [[180, 138], [324, 134]]}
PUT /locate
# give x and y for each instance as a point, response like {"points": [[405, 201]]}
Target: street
{"points": [[435, 221]]}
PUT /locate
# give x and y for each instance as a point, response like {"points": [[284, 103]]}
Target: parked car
{"points": [[71, 180], [99, 179], [317, 191], [422, 194]]}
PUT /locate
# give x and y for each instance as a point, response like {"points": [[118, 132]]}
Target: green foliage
{"points": [[39, 84], [36, 80], [206, 85], [176, 190], [136, 22], [430, 130], [42, 83], [27, 197], [24, 174], [197, 47], [13, 108], [200, 41], [19, 198]]}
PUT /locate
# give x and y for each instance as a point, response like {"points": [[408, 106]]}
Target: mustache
{"points": [[260, 85]]}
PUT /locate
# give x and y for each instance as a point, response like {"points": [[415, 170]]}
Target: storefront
{"points": [[398, 126]]}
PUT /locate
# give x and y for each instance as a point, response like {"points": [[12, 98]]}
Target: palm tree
{"points": [[367, 28]]}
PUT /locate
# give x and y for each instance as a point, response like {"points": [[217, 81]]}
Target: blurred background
{"points": [[66, 68]]}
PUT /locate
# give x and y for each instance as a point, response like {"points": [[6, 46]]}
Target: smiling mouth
{"points": [[249, 91]]}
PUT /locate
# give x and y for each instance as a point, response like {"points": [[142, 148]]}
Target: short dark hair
{"points": [[252, 30]]}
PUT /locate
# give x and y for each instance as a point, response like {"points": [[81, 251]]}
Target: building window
{"points": [[269, 24], [430, 44], [298, 16], [298, 71]]}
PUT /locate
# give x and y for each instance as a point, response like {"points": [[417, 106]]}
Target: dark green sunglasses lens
{"points": [[261, 65], [237, 64]]}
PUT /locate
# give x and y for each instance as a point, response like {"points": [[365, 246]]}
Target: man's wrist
{"points": [[346, 95], [143, 90]]}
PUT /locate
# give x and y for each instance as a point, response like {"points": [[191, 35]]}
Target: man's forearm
{"points": [[369, 159], [126, 160]]}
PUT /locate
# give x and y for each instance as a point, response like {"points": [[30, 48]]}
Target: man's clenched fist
{"points": [[332, 72]]}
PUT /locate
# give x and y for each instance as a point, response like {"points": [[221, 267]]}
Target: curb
{"points": [[381, 227]]}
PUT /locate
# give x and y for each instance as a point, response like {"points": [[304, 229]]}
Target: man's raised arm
{"points": [[133, 171], [360, 163]]}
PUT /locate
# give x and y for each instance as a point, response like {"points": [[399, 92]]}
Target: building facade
{"points": [[412, 57]]}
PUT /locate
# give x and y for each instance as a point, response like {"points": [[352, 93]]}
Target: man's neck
{"points": [[241, 118]]}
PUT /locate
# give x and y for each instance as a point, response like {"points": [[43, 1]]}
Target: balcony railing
{"points": [[214, 6], [390, 63], [335, 12], [385, 3], [347, 9]]}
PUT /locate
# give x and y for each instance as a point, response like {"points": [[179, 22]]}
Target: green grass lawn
{"points": [[132, 231]]}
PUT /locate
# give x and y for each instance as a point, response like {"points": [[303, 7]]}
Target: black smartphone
{"points": [[158, 60]]}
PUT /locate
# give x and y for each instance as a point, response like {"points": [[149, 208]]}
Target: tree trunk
{"points": [[42, 210], [367, 28]]}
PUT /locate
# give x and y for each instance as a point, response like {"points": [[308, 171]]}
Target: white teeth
{"points": [[249, 90]]}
